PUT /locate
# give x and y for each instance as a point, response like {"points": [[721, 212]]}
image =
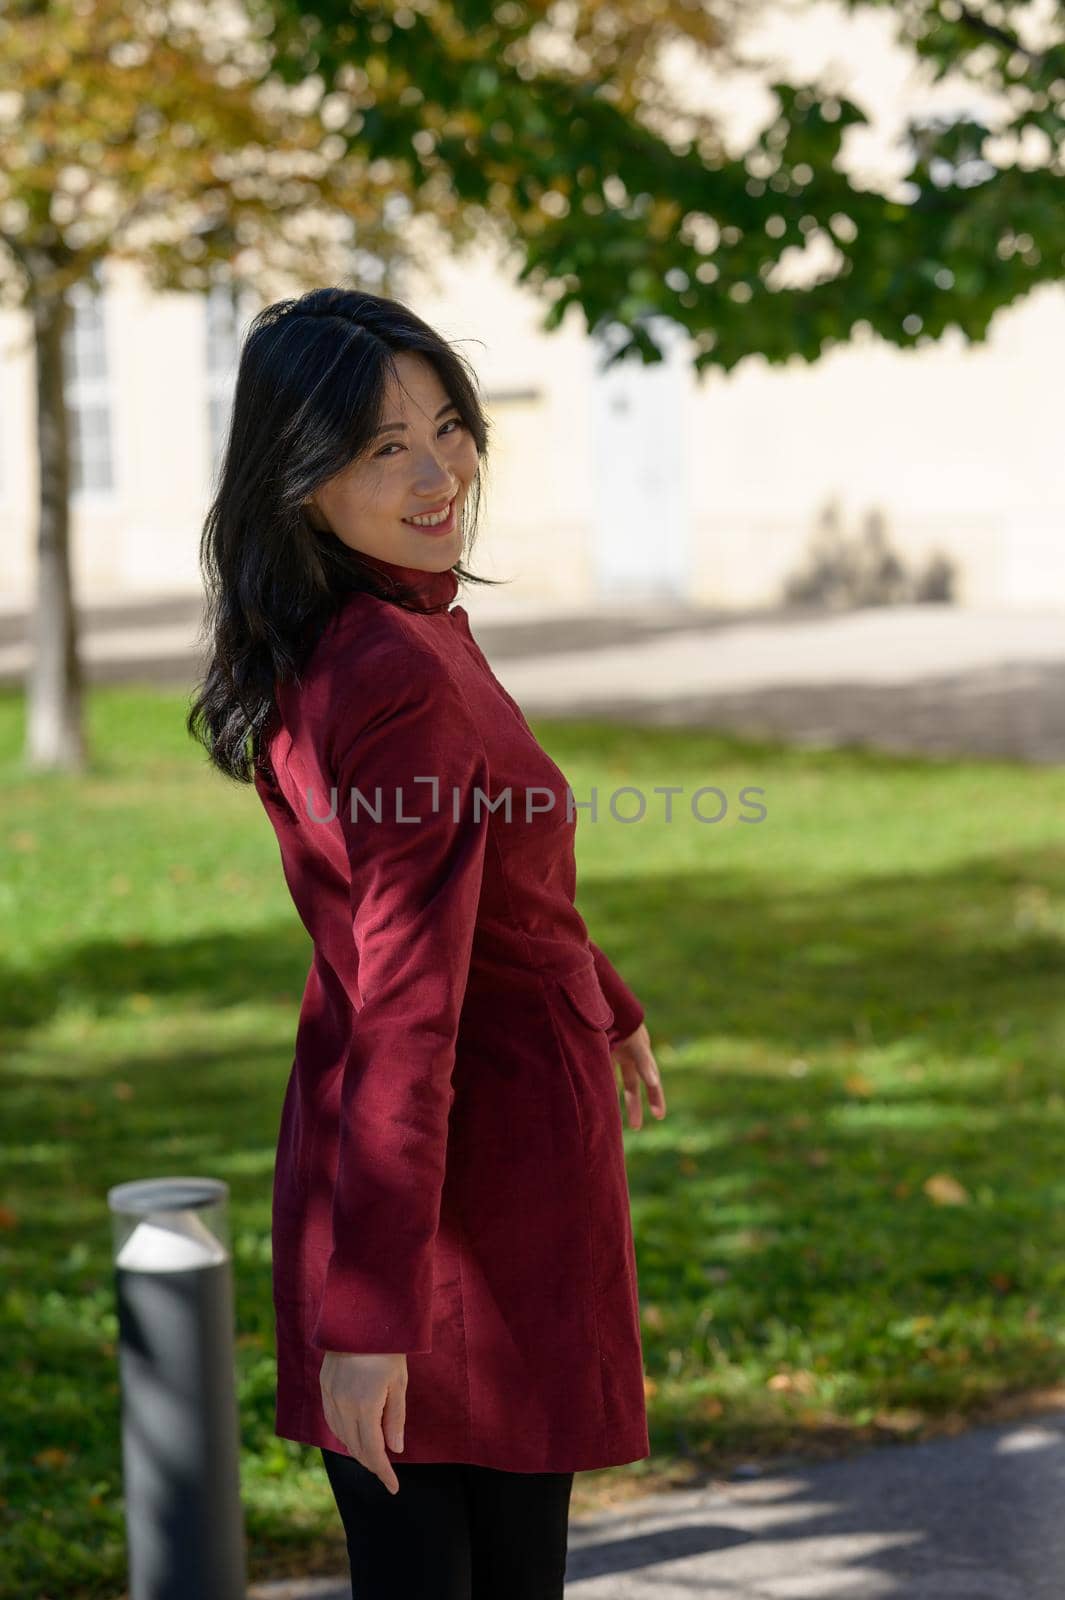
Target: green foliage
{"points": [[627, 223], [618, 203]]}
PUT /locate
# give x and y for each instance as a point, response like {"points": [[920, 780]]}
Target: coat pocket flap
{"points": [[584, 993]]}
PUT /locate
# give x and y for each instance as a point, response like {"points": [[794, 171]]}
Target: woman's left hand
{"points": [[638, 1065]]}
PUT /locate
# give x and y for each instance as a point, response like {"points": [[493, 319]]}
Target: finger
{"points": [[393, 1420], [633, 1102], [377, 1460], [336, 1424], [648, 1070], [363, 1453], [633, 1074], [656, 1098], [358, 1449]]}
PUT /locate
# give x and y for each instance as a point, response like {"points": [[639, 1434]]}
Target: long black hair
{"points": [[309, 395]]}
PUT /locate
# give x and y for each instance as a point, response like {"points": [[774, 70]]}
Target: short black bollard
{"points": [[180, 1434]]}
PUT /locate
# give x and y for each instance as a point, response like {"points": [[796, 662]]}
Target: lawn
{"points": [[849, 1227]]}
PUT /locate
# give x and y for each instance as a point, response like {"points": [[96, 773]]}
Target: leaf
{"points": [[945, 1190], [799, 1382]]}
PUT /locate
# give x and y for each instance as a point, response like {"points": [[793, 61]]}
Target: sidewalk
{"points": [[934, 679], [974, 1517]]}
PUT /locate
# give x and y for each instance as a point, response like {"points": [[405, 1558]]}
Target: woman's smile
{"points": [[444, 525]]}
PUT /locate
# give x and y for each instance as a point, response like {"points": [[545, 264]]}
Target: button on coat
{"points": [[450, 1179]]}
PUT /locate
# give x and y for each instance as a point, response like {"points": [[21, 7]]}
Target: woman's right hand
{"points": [[365, 1403]]}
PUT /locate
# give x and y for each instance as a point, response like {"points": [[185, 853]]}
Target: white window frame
{"points": [[86, 344], [227, 309]]}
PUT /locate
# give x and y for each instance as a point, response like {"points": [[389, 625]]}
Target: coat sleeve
{"points": [[628, 1012], [415, 885]]}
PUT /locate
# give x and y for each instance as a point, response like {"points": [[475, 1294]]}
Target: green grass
{"points": [[851, 1223]]}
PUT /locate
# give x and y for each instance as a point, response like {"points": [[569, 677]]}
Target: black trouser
{"points": [[453, 1532]]}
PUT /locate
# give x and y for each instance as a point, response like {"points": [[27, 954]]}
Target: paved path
{"points": [[935, 679], [974, 1517]]}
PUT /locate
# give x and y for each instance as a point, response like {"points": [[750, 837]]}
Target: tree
{"points": [[196, 149], [127, 134], [554, 118]]}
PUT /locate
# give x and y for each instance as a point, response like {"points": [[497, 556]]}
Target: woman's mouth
{"points": [[442, 522]]}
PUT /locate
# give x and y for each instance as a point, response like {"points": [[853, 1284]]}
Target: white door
{"points": [[641, 515]]}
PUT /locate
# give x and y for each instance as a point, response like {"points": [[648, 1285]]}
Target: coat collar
{"points": [[432, 591]]}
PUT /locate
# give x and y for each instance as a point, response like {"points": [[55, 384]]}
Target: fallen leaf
{"points": [[899, 1421], [945, 1190], [792, 1382]]}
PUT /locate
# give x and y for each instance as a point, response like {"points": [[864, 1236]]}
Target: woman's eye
{"points": [[455, 422]]}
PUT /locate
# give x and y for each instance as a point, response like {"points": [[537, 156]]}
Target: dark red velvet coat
{"points": [[450, 1177]]}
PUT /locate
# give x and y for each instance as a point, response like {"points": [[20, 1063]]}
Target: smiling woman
{"points": [[417, 482], [350, 417], [454, 1270]]}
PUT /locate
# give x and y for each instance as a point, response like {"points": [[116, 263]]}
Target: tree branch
{"points": [[990, 30]]}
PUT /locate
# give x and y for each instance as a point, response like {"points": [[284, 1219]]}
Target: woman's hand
{"points": [[365, 1401], [638, 1065]]}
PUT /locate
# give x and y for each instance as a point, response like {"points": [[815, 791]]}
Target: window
{"points": [[87, 387], [225, 307]]}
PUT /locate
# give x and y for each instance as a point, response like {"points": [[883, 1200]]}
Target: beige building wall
{"points": [[951, 445], [538, 491], [598, 488], [141, 534]]}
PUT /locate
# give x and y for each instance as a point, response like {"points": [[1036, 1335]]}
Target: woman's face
{"points": [[425, 460]]}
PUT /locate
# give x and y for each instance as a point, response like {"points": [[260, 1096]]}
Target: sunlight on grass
{"points": [[851, 1218]]}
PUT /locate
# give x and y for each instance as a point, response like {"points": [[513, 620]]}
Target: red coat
{"points": [[450, 1178]]}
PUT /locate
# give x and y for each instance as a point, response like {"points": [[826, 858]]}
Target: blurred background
{"points": [[766, 304], [694, 419]]}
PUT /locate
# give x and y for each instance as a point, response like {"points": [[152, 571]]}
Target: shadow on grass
{"points": [[825, 1052], [946, 954]]}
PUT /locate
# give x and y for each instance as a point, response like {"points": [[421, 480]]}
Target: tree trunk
{"points": [[55, 738]]}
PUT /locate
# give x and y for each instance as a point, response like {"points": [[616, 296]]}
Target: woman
{"points": [[454, 1273]]}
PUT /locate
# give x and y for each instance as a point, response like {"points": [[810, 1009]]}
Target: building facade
{"points": [[604, 487]]}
